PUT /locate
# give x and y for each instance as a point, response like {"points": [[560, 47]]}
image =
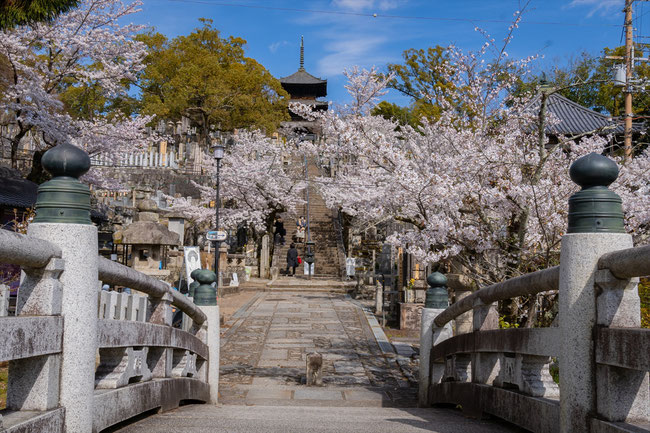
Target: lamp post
{"points": [[219, 151], [309, 256]]}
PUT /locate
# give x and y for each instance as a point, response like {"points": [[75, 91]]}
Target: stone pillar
{"points": [[379, 298], [577, 318], [223, 258], [264, 257], [426, 340], [430, 335], [205, 297], [484, 365], [78, 243], [4, 300], [595, 227], [63, 218], [213, 341], [463, 321], [34, 382], [622, 394]]}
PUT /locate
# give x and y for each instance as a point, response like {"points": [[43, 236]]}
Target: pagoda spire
{"points": [[302, 54]]}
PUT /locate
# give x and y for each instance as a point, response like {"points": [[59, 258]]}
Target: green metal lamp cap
{"points": [[593, 170], [66, 160], [436, 295], [595, 209], [64, 199], [436, 279], [204, 293]]}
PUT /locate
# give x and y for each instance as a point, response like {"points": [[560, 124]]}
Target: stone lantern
{"points": [[149, 240]]}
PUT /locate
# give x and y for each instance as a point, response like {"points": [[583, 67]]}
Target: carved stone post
{"points": [[622, 394], [430, 335], [484, 365], [63, 218], [206, 298], [34, 382], [463, 321], [595, 228], [160, 358]]}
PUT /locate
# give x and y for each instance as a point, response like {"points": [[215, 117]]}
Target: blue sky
{"points": [[556, 29]]}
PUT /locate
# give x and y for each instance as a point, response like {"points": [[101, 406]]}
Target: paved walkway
{"points": [[268, 419], [263, 355], [367, 386]]}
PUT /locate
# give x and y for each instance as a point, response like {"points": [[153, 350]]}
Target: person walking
{"points": [[280, 231], [292, 259], [300, 229]]}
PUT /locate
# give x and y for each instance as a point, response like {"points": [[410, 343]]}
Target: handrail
{"points": [[27, 251], [115, 273], [528, 284], [628, 263]]}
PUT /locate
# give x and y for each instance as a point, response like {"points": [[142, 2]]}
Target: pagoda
{"points": [[304, 88]]}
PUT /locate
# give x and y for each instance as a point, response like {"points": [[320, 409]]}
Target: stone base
{"points": [[410, 315]]}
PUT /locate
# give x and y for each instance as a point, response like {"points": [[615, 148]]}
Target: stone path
{"points": [[367, 386], [268, 419], [263, 355]]}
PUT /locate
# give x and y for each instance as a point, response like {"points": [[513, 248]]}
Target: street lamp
{"points": [[219, 151]]}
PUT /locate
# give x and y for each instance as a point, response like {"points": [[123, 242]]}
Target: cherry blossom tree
{"points": [[258, 181], [86, 50], [480, 187]]}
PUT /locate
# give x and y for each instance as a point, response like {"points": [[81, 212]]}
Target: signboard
{"points": [[307, 268], [216, 235], [350, 265], [192, 261]]}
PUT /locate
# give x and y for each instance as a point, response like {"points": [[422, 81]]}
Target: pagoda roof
{"points": [[301, 76], [301, 83]]}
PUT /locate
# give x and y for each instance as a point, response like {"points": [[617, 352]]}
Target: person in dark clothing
{"points": [[292, 259], [280, 230]]}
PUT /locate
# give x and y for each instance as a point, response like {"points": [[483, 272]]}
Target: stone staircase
{"points": [[328, 253]]}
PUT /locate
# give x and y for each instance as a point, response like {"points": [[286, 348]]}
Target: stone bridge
{"points": [[83, 360]]}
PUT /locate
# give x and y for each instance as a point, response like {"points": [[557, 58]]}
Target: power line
{"points": [[386, 16]]}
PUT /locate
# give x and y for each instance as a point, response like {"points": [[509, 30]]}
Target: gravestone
{"points": [[350, 264], [264, 257]]}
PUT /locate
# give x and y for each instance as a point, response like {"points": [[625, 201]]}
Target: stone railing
{"points": [[602, 353], [82, 359]]}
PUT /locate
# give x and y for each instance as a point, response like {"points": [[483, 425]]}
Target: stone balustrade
{"points": [[596, 341], [82, 359]]}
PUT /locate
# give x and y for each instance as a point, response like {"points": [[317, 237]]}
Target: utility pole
{"points": [[630, 61], [629, 72]]}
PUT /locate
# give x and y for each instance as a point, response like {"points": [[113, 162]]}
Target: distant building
{"points": [[304, 88], [574, 120]]}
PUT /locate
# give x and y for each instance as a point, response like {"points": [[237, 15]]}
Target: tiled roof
{"points": [[302, 77], [575, 119], [17, 192]]}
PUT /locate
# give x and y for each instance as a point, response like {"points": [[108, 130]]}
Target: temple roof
{"points": [[302, 77], [301, 83], [575, 119], [16, 192]]}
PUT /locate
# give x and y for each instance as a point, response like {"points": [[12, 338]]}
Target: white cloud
{"points": [[602, 6], [361, 5], [349, 50], [277, 45]]}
